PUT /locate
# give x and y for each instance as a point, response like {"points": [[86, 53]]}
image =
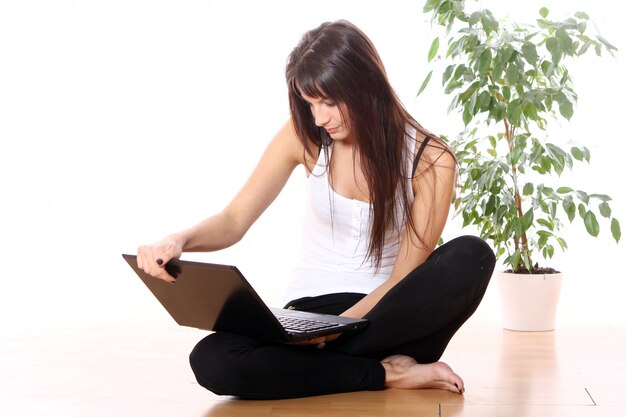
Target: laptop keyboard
{"points": [[301, 325]]}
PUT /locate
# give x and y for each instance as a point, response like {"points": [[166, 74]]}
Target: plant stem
{"points": [[508, 133]]}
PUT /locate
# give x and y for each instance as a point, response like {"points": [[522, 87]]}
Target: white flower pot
{"points": [[529, 302]]}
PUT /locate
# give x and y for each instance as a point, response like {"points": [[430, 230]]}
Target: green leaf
{"points": [[425, 82], [565, 42], [582, 196], [527, 262], [529, 52], [566, 109], [506, 92], [553, 208], [544, 12], [527, 220], [582, 212], [605, 210], [466, 219], [577, 154], [583, 49], [552, 44], [591, 224], [546, 224], [484, 62], [601, 197], [458, 73], [453, 49], [515, 260], [447, 74], [615, 230], [474, 18], [467, 113], [549, 192], [484, 99], [606, 43], [556, 152], [517, 226], [512, 74], [582, 15], [528, 188], [498, 110], [434, 47], [598, 49], [490, 208], [570, 209], [530, 111], [467, 94], [452, 85], [496, 72], [564, 190], [507, 54], [489, 22], [514, 112], [430, 5]]}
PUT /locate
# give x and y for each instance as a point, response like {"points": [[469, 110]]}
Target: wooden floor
{"points": [[138, 367]]}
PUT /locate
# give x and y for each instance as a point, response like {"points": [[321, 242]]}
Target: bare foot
{"points": [[404, 372]]}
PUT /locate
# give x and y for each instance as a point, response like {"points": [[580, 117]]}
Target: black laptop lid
{"points": [[228, 302]]}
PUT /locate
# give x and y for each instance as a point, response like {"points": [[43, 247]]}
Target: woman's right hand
{"points": [[153, 258]]}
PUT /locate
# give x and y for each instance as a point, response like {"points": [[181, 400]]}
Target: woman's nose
{"points": [[320, 115]]}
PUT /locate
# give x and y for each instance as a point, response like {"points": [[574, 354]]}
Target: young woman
{"points": [[379, 188]]}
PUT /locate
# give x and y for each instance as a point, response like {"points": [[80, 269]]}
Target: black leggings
{"points": [[417, 317]]}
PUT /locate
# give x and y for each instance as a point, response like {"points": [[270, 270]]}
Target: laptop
{"points": [[218, 298]]}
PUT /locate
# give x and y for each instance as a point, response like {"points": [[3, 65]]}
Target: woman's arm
{"points": [[433, 189], [226, 228]]}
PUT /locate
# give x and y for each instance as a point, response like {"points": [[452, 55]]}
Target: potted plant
{"points": [[508, 81]]}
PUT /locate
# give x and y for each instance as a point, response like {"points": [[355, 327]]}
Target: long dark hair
{"points": [[338, 62]]}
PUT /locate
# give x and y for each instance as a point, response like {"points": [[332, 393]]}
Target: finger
{"points": [[140, 258], [147, 261], [316, 341], [161, 258], [152, 259], [167, 278], [460, 385], [144, 255], [308, 342], [161, 272]]}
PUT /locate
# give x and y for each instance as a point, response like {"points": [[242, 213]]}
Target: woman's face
{"points": [[328, 115]]}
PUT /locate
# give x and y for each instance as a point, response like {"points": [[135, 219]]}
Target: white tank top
{"points": [[335, 238]]}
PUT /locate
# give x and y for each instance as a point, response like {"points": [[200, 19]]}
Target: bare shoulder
{"points": [[436, 155], [435, 176], [288, 141]]}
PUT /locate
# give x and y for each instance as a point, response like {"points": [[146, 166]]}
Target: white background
{"points": [[122, 121]]}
